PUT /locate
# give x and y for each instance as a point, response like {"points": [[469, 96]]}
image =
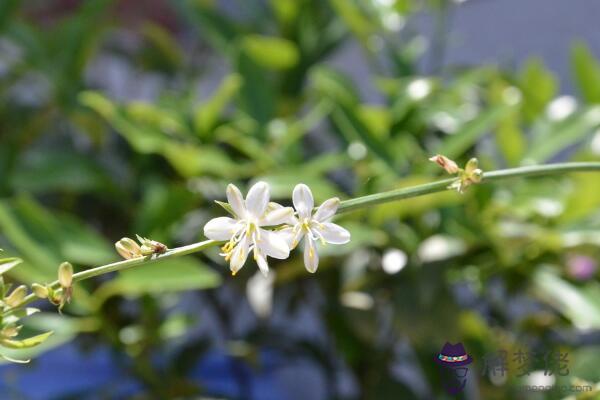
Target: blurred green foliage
{"points": [[82, 165]]}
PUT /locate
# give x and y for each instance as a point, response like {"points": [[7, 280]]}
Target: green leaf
{"points": [[566, 298], [143, 124], [586, 72], [334, 85], [554, 137], [45, 238], [286, 11], [14, 228], [510, 139], [65, 328], [538, 86], [355, 18], [50, 170], [26, 343], [208, 113], [6, 264], [219, 30], [457, 144], [162, 205], [190, 160], [257, 95], [171, 275], [353, 129], [583, 199], [271, 52], [165, 52]]}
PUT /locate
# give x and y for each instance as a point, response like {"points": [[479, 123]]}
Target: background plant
{"points": [[87, 157]]}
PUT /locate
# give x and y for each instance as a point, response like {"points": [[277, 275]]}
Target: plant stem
{"points": [[123, 265], [345, 206], [440, 186]]}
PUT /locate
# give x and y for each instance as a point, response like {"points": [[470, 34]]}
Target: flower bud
{"points": [[150, 247], [471, 166], [128, 248], [54, 296], [16, 297], [476, 176], [10, 331], [65, 275], [39, 290], [446, 163], [472, 172]]}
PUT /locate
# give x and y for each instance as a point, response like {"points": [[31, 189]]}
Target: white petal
{"points": [[303, 200], [333, 233], [222, 228], [261, 260], [272, 206], [257, 199], [239, 256], [278, 216], [311, 257], [327, 210], [291, 236], [236, 201], [273, 245]]}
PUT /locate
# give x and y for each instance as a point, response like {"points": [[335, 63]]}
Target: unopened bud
{"points": [[54, 296], [128, 248], [10, 331], [65, 275], [446, 163], [472, 165], [16, 297], [39, 290], [468, 176], [150, 247], [476, 175]]}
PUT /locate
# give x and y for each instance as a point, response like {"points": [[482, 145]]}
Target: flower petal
{"points": [[272, 244], [261, 261], [333, 233], [236, 201], [311, 257], [277, 216], [303, 200], [327, 210], [291, 236], [257, 199], [221, 228], [239, 256]]}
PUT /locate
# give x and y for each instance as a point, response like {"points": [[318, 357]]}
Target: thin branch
{"points": [[345, 206]]}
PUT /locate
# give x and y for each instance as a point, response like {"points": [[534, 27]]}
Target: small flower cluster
{"points": [[62, 295], [128, 248], [268, 229], [468, 176]]}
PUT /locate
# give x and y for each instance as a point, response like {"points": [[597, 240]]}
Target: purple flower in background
{"points": [[581, 267]]}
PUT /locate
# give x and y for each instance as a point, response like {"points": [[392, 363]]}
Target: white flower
{"points": [[245, 232], [314, 227]]}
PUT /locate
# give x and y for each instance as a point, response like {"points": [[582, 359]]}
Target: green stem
{"points": [[123, 265], [345, 206], [440, 186]]}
